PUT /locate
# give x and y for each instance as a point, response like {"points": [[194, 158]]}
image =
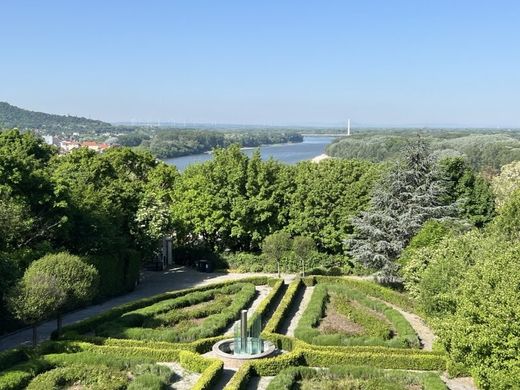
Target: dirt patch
{"points": [[334, 322]]}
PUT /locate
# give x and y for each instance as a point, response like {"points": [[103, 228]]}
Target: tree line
{"points": [[483, 150], [174, 143]]}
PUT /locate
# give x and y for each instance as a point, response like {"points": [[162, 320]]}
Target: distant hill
{"points": [[12, 116]]}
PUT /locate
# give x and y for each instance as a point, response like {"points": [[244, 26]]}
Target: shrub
{"points": [[418, 361], [374, 290], [241, 377], [313, 314], [95, 377], [210, 376], [11, 357], [91, 323], [268, 302], [147, 382], [283, 307], [18, 376], [210, 369]]}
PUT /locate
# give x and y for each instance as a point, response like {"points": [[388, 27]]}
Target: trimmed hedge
{"points": [[18, 376], [11, 357], [241, 378], [307, 331], [286, 379], [95, 377], [267, 304], [210, 326], [211, 369], [276, 320], [380, 360], [91, 323], [372, 289]]}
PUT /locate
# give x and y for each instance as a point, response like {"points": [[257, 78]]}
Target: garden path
{"points": [[184, 379], [262, 292], [302, 300], [259, 383], [424, 332]]}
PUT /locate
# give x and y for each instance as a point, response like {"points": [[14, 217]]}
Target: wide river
{"points": [[311, 147]]}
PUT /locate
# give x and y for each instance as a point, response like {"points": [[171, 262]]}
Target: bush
{"points": [[210, 369], [268, 302], [91, 323], [241, 378], [18, 376], [11, 357], [374, 290], [418, 361], [147, 382], [94, 377], [276, 319], [307, 331]]}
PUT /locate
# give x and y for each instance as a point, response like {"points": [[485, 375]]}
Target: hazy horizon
{"points": [[382, 64]]}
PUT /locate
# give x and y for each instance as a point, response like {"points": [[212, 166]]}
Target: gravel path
{"points": [[423, 331], [183, 380], [152, 283], [262, 292], [259, 383], [302, 301]]}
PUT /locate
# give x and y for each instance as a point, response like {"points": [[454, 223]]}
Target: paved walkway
{"points": [[152, 283], [302, 299]]}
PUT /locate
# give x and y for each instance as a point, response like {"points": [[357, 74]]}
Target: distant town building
{"points": [[95, 146], [67, 146]]}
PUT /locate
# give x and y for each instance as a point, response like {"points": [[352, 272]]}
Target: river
{"points": [[311, 147]]}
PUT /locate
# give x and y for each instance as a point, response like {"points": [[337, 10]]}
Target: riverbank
{"points": [[320, 158]]}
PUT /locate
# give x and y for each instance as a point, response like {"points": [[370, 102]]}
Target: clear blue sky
{"points": [[297, 62]]}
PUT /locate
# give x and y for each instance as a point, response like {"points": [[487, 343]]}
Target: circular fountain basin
{"points": [[225, 349]]}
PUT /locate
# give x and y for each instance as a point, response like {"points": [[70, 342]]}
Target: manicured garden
{"points": [[165, 340]]}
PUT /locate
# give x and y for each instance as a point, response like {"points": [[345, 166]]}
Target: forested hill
{"points": [[12, 116]]}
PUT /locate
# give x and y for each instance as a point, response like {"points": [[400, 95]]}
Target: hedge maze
{"points": [[347, 337]]}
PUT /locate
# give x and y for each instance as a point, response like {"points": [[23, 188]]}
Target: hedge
{"points": [[18, 376], [373, 289], [89, 324], [307, 331], [210, 326], [275, 321], [11, 357], [95, 377], [268, 302], [286, 378], [381, 360], [241, 378], [211, 369]]}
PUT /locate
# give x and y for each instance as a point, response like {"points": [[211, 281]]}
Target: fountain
{"points": [[246, 343]]}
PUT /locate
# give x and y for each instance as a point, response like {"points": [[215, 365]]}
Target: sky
{"points": [[381, 63]]}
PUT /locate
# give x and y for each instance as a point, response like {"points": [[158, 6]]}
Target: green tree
{"points": [[76, 279], [36, 298], [326, 196], [484, 332], [447, 263], [507, 223], [469, 191], [275, 246], [303, 247], [506, 183], [409, 195]]}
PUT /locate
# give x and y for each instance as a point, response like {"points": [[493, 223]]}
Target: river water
{"points": [[311, 147]]}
